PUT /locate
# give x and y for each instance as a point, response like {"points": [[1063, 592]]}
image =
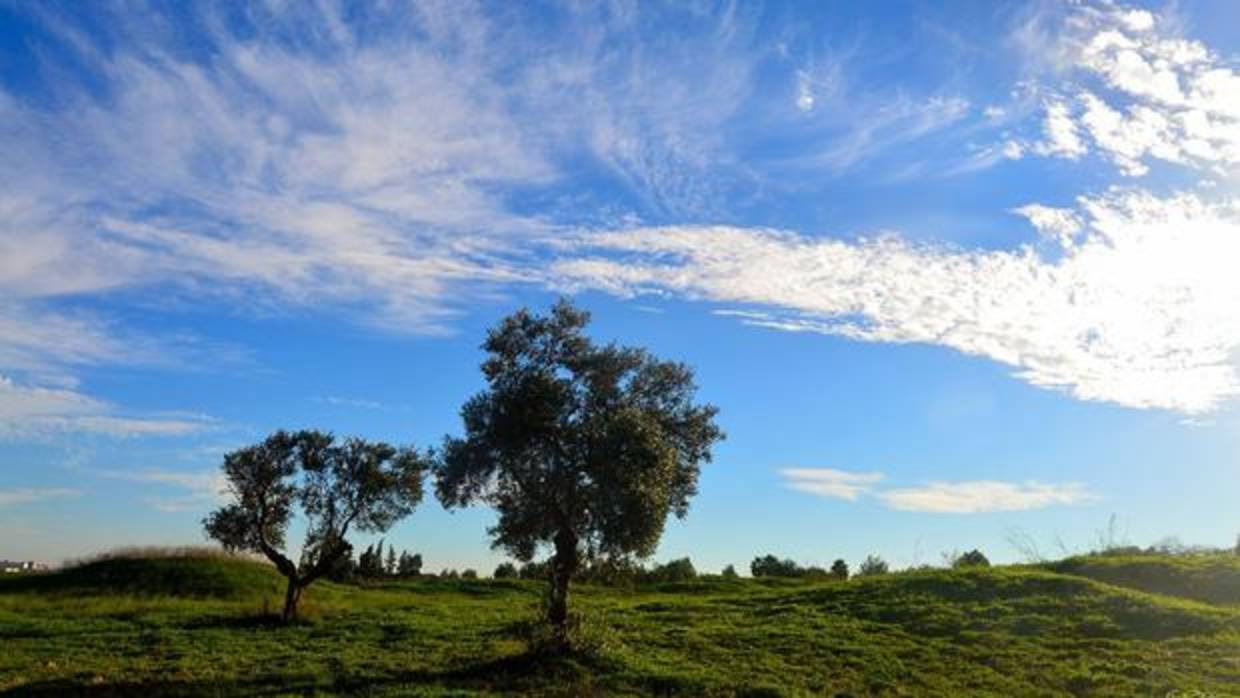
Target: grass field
{"points": [[200, 625]]}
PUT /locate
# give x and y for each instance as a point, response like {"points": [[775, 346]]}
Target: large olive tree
{"points": [[338, 486], [583, 447]]}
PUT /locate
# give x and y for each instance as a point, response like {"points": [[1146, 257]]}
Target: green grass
{"points": [[189, 626], [1210, 577]]}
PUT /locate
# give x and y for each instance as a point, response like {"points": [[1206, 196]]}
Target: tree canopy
{"points": [[584, 447], [338, 486]]}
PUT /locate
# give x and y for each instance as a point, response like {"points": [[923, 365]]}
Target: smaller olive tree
{"points": [[338, 486]]}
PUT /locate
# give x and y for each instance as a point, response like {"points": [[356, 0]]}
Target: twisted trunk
{"points": [[563, 567], [291, 596]]}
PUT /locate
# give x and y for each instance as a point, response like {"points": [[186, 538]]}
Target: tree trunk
{"points": [[563, 566], [291, 596]]}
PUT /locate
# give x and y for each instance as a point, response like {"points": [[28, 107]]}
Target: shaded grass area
{"points": [[1001, 631], [1210, 577]]}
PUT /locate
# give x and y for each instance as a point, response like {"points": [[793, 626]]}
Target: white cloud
{"points": [[969, 497], [827, 482], [202, 490], [28, 411], [29, 495], [1138, 312], [1060, 135], [1167, 98], [982, 496]]}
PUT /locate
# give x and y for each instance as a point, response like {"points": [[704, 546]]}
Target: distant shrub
{"points": [[535, 570], [871, 566], [729, 572], [674, 571], [505, 570], [469, 574], [973, 558], [449, 574], [839, 569], [771, 566]]}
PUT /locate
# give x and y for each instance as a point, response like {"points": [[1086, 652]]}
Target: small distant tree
{"points": [[468, 573], [729, 572], [391, 562], [505, 570], [973, 558], [839, 569], [871, 566], [581, 447], [409, 565], [344, 570], [338, 486]]}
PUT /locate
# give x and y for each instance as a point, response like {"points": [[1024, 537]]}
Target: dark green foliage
{"points": [[771, 566], [973, 558], [469, 574], [505, 570], [409, 565], [337, 486], [729, 572], [839, 569], [583, 448], [674, 571], [871, 566], [536, 570]]}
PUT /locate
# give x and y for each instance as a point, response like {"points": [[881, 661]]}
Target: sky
{"points": [[957, 274]]}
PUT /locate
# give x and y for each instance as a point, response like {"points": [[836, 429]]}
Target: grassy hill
{"points": [[197, 626], [1210, 577]]}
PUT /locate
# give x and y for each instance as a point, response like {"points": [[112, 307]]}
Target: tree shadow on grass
{"points": [[569, 675]]}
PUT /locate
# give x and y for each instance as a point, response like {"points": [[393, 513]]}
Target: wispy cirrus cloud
{"points": [[30, 495], [196, 490], [36, 412], [1128, 297]]}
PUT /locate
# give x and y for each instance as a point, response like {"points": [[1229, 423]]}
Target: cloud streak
{"points": [[964, 497], [982, 496], [827, 482]]}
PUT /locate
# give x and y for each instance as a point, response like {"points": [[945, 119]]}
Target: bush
{"points": [[839, 569], [771, 566], [871, 566], [469, 574], [973, 558], [535, 570], [729, 572], [505, 570], [675, 571]]}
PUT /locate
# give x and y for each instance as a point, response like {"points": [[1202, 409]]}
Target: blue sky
{"points": [[951, 271]]}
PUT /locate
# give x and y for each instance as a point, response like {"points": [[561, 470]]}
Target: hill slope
{"points": [[1001, 632], [184, 573], [1213, 578]]}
